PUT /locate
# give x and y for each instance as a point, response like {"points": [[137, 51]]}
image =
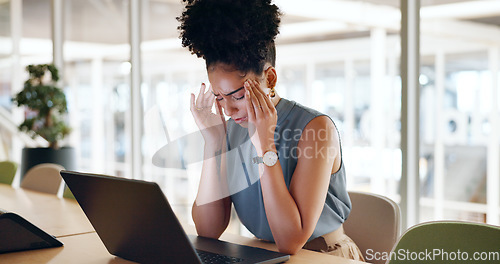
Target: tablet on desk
{"points": [[17, 234]]}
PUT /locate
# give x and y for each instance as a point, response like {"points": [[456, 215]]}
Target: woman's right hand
{"points": [[212, 125]]}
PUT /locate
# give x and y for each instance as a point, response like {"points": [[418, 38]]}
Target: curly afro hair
{"points": [[239, 33]]}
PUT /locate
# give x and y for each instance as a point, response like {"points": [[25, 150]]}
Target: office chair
{"points": [[373, 224], [43, 177], [8, 170], [448, 242]]}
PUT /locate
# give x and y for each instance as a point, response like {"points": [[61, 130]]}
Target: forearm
{"points": [[210, 210], [287, 225], [211, 219]]}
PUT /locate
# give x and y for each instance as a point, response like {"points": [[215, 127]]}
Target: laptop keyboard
{"points": [[213, 258]]}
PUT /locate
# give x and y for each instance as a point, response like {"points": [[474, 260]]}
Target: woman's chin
{"points": [[244, 124]]}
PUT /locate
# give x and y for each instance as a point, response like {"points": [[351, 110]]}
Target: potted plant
{"points": [[46, 105]]}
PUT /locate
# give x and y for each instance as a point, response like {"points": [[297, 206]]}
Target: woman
{"points": [[279, 163]]}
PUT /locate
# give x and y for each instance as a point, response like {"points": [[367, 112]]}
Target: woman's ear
{"points": [[271, 77]]}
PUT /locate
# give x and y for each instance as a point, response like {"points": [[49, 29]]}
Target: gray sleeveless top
{"points": [[243, 174]]}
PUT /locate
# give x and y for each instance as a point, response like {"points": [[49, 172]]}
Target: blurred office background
{"points": [[128, 81]]}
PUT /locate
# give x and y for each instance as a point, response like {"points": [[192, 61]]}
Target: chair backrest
{"points": [[448, 242], [373, 224], [8, 170], [43, 177]]}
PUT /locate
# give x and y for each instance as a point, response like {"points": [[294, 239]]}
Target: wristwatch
{"points": [[269, 159]]}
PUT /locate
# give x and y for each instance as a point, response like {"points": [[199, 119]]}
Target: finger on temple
{"points": [[218, 108], [250, 106], [208, 96], [207, 100], [259, 100]]}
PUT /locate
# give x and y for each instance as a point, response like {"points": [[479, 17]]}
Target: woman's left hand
{"points": [[262, 117]]}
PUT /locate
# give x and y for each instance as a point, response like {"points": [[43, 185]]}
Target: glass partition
{"points": [[460, 109], [97, 76], [456, 108]]}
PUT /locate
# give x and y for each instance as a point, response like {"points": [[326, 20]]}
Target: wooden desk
{"points": [[88, 248], [56, 216], [303, 256], [64, 219], [77, 249]]}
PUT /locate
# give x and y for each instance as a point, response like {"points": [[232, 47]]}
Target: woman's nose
{"points": [[230, 109]]}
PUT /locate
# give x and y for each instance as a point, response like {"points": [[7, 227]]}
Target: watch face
{"points": [[270, 158]]}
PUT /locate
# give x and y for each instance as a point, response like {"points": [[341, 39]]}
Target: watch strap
{"points": [[257, 160]]}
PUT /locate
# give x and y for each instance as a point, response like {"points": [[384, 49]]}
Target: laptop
{"points": [[135, 221]]}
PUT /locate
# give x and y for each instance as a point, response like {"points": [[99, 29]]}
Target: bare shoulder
{"points": [[321, 135], [321, 128]]}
